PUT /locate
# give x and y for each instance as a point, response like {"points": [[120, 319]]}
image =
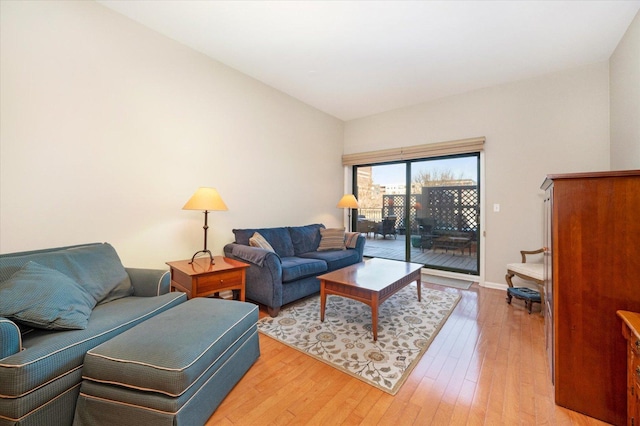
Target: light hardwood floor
{"points": [[487, 366]]}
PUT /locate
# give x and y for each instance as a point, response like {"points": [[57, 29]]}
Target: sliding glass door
{"points": [[423, 211]]}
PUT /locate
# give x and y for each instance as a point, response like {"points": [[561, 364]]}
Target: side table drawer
{"points": [[202, 278], [219, 280]]}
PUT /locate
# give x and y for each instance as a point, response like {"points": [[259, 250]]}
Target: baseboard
{"points": [[475, 278], [449, 274], [497, 286]]}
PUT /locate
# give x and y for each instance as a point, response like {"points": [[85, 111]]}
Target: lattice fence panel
{"points": [[394, 205], [455, 208]]}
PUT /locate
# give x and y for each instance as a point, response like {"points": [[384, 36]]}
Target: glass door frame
{"points": [[406, 219]]}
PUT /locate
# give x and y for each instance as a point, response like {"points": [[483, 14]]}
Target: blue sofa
{"points": [[41, 358], [288, 273]]}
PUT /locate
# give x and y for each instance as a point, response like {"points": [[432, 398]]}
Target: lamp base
{"points": [[203, 251]]}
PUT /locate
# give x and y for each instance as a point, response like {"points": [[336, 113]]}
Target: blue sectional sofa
{"points": [[43, 344], [288, 272]]}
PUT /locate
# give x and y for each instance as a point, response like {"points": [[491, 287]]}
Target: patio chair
{"points": [[365, 226], [425, 228], [387, 227], [531, 271]]}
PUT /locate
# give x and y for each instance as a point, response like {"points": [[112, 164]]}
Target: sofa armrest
{"points": [[149, 282], [254, 255], [10, 339], [264, 274], [360, 246]]}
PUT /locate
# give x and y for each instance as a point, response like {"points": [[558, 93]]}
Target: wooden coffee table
{"points": [[371, 282]]}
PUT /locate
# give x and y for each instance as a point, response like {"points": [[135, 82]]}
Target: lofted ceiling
{"points": [[352, 59]]}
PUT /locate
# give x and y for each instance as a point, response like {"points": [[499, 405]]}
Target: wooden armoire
{"points": [[592, 270]]}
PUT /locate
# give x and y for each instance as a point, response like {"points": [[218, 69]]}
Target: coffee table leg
{"points": [[419, 282], [323, 300], [374, 317]]}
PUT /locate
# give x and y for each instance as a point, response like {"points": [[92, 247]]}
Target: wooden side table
{"points": [[202, 279]]}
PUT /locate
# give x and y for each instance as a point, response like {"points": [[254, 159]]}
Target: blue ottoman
{"points": [[529, 296], [173, 369]]}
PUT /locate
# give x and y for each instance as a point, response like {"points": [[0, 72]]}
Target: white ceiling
{"points": [[357, 58]]}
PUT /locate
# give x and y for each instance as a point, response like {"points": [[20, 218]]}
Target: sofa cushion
{"points": [[96, 267], [279, 239], [305, 238], [259, 241], [295, 268], [55, 302], [335, 259], [331, 239]]}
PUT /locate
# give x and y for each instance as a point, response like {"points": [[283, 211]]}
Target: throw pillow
{"points": [[331, 239], [351, 239], [45, 298], [259, 241]]}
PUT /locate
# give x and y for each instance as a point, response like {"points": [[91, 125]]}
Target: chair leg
{"points": [[541, 291], [508, 277]]}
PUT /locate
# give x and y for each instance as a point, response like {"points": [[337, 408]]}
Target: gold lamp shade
{"points": [[205, 199], [348, 201]]}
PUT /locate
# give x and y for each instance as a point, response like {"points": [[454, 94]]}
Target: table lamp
{"points": [[206, 199]]}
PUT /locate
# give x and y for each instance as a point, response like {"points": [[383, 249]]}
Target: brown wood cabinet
{"points": [[592, 264], [631, 332]]}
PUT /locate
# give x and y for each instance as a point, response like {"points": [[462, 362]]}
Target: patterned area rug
{"points": [[344, 340]]}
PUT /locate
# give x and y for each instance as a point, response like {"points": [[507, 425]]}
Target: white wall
{"points": [[552, 124], [107, 128], [624, 69]]}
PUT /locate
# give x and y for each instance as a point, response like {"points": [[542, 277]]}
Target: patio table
{"points": [[452, 243]]}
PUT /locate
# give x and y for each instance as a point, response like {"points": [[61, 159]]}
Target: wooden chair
{"points": [[528, 271]]}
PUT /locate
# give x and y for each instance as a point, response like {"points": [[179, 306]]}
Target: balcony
{"points": [[441, 220], [462, 260]]}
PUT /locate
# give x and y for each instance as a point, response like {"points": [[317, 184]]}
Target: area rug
{"points": [[448, 282], [344, 340]]}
